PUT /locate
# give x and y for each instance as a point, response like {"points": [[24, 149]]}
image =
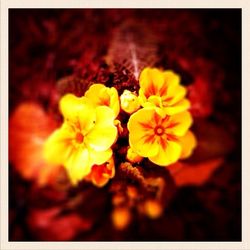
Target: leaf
{"points": [[50, 224], [185, 174], [214, 141], [133, 47], [29, 127]]}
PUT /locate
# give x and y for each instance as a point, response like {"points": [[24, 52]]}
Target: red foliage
{"points": [[50, 224]]}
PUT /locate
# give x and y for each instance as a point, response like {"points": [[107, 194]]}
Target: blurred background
{"points": [[56, 51]]}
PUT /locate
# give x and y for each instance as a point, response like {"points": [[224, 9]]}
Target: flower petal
{"points": [[101, 174], [141, 132], [181, 106], [168, 155], [171, 79], [188, 143], [78, 164], [142, 147], [151, 81], [104, 133], [178, 124], [78, 110], [156, 100], [58, 146], [175, 94], [100, 157], [99, 94]]}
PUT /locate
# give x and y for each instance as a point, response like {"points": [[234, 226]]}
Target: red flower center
{"points": [[159, 130], [79, 138]]}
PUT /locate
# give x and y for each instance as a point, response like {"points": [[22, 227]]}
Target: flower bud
{"points": [[133, 157], [129, 102]]}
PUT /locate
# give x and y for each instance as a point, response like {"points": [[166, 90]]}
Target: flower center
{"points": [[159, 130], [79, 137]]}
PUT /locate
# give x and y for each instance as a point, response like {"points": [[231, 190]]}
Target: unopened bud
{"points": [[129, 102], [133, 157]]}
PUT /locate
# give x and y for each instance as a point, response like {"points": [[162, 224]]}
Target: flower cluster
{"points": [[160, 130], [87, 133], [158, 127]]}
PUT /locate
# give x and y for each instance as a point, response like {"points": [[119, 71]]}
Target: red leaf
{"points": [[193, 174], [49, 225], [213, 141]]}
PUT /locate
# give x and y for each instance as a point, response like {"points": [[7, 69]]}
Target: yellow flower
{"points": [[162, 89], [129, 102], [160, 138], [84, 139], [99, 94]]}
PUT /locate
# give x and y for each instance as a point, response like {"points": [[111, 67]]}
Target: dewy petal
{"points": [[79, 111], [168, 155], [141, 133], [179, 124], [181, 106], [104, 133], [58, 146], [188, 143], [78, 164], [100, 157]]}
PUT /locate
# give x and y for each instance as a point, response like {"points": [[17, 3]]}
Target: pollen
{"points": [[79, 138]]}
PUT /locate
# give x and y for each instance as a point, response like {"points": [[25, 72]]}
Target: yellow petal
{"points": [[104, 133], [151, 81], [188, 143], [168, 155], [114, 102], [78, 110], [179, 124], [93, 93], [99, 94], [142, 98], [181, 106], [171, 79], [100, 157], [176, 93], [141, 133], [78, 164], [142, 147], [156, 100], [58, 146]]}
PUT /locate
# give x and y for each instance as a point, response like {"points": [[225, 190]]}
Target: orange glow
{"points": [[25, 137]]}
